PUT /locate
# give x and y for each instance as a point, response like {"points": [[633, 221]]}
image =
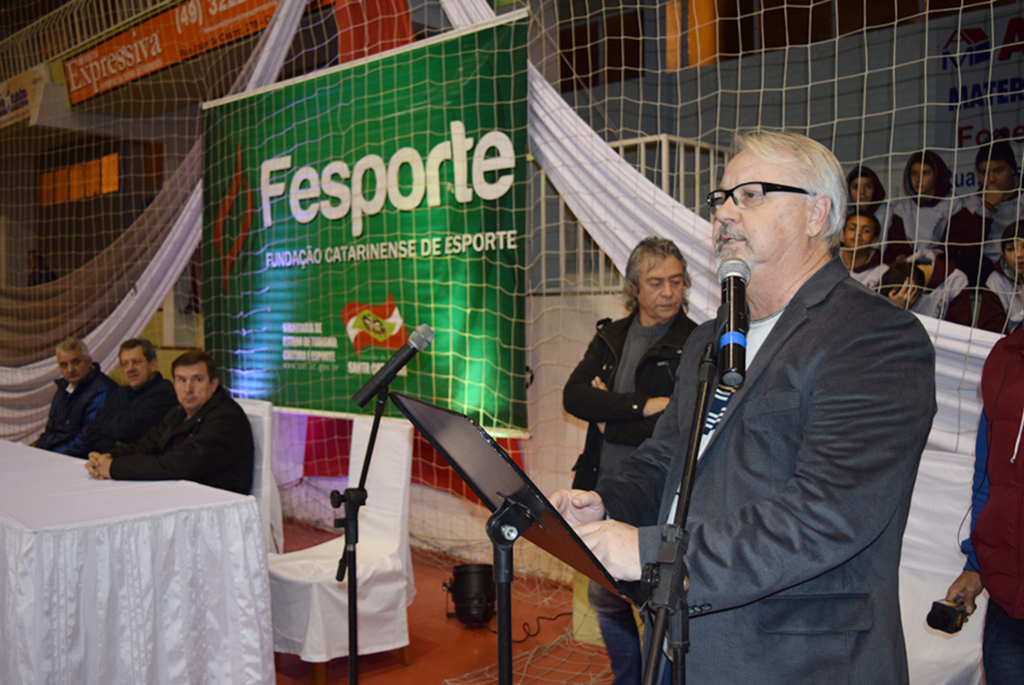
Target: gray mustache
{"points": [[723, 233]]}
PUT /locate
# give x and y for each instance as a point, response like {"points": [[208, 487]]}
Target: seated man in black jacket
{"points": [[131, 410], [621, 387], [81, 393], [206, 439]]}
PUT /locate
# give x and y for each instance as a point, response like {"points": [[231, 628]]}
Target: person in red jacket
{"points": [[996, 547]]}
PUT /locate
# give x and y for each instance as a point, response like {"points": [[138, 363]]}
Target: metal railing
{"points": [[567, 260], [683, 168], [71, 27]]}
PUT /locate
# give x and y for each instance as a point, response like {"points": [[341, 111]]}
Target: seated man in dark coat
{"points": [[206, 439], [80, 395], [131, 410]]}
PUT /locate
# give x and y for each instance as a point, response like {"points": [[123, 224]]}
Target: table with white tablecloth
{"points": [[131, 582]]}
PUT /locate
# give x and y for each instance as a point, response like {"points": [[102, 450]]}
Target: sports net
{"points": [[99, 161]]}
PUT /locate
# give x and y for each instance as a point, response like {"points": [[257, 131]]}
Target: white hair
{"points": [[815, 163], [71, 343]]}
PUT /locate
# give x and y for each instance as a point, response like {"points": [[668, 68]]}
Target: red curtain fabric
{"points": [[328, 445], [366, 27]]}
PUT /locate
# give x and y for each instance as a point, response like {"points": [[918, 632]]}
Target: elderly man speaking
{"points": [[803, 484]]}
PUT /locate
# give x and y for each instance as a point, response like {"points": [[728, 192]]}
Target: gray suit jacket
{"points": [[802, 494]]}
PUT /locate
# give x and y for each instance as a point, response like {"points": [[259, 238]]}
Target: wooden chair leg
{"points": [[405, 655], [319, 673]]}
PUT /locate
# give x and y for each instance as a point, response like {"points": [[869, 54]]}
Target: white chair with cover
{"points": [[264, 487], [310, 608]]}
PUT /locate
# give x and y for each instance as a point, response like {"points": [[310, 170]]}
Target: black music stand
{"points": [[518, 507]]}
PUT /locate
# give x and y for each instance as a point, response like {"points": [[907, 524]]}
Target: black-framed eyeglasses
{"points": [[751, 194]]}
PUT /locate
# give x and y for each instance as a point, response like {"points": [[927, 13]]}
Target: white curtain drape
{"points": [[26, 391]]}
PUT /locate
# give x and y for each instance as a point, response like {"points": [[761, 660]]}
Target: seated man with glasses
{"points": [[805, 470]]}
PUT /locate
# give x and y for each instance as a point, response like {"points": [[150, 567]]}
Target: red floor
{"points": [[445, 650]]}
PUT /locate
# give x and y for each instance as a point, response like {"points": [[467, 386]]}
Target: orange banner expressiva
{"points": [[166, 39]]}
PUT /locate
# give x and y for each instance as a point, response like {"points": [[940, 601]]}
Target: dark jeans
{"points": [[1002, 648], [620, 634]]}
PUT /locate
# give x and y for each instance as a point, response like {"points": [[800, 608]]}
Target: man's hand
{"points": [[651, 407], [655, 405], [616, 545], [98, 465], [578, 506], [965, 589]]}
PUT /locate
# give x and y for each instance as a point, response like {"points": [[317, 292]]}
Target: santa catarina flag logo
{"points": [[379, 325]]}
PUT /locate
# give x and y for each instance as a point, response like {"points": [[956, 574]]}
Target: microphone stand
{"points": [[354, 499], [666, 581], [506, 525]]}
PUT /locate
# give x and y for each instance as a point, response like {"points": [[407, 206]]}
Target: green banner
{"points": [[345, 209]]}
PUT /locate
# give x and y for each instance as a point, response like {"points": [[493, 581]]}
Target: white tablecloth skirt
{"points": [[173, 597]]}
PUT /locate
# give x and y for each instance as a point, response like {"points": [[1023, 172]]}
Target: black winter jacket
{"points": [[214, 447], [70, 415], [127, 416], [622, 413]]}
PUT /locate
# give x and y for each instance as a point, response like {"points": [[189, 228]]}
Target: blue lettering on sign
{"points": [[987, 93]]}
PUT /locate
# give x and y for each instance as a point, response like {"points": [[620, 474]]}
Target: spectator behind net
{"points": [[867, 195], [858, 247], [975, 231], [928, 284], [1002, 298], [919, 220], [38, 271]]}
